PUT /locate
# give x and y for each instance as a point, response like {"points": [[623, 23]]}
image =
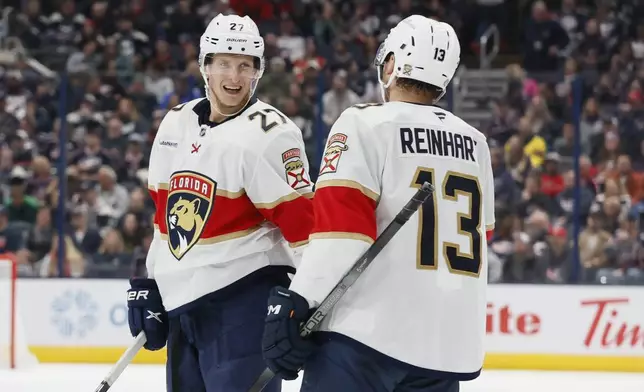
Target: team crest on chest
{"points": [[336, 145], [191, 198], [296, 174]]}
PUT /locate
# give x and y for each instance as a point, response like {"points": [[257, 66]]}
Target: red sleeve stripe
{"points": [[154, 195], [489, 234], [344, 212], [292, 214], [349, 184], [230, 218], [234, 215]]}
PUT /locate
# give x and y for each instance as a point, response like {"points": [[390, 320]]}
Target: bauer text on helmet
{"points": [[424, 50], [231, 61]]}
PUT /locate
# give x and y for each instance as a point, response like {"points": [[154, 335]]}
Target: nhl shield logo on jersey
{"points": [[336, 145], [190, 201], [296, 174]]}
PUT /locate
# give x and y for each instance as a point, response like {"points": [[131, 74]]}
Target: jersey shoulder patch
{"points": [[335, 146], [296, 175]]}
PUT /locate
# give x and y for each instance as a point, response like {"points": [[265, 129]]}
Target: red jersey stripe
{"points": [[340, 209], [229, 215], [293, 215]]}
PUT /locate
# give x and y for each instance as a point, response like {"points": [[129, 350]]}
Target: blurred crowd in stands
{"points": [[128, 61], [597, 53]]}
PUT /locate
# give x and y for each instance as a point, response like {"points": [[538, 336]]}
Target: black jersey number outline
{"points": [[468, 224], [263, 115]]}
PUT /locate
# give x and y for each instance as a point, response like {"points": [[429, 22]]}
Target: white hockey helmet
{"points": [[424, 50], [235, 35]]}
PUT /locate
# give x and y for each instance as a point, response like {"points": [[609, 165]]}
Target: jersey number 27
{"points": [[468, 224]]}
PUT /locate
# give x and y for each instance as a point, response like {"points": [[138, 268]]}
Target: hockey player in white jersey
{"points": [[229, 178], [414, 321]]}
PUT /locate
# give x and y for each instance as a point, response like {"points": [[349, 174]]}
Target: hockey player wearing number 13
{"points": [[229, 178], [414, 321]]}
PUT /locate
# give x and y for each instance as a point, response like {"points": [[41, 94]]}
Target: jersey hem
{"points": [[278, 273], [415, 370]]}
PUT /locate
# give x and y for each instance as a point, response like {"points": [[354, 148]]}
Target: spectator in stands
{"points": [[632, 181], [20, 206], [592, 243], [132, 233], [612, 188], [93, 155], [338, 99], [112, 199], [520, 263], [11, 237], [565, 144], [112, 251], [275, 85], [544, 39], [516, 162], [74, 263], [8, 121], [554, 257], [41, 177], [503, 123], [552, 182], [566, 200], [39, 238], [506, 194], [85, 238]]}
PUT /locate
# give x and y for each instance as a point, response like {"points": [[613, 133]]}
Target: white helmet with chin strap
{"points": [[424, 50], [235, 35]]}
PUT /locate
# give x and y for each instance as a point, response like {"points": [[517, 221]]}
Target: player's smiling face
{"points": [[230, 78]]}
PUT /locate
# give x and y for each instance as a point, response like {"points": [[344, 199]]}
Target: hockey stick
{"points": [[356, 270], [122, 363]]}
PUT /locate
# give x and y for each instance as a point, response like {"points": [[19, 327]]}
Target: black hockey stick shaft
{"points": [[356, 270]]}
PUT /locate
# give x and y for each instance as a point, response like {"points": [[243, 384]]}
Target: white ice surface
{"points": [[143, 378]]}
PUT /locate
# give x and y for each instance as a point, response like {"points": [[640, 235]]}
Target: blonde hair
{"points": [[74, 259]]}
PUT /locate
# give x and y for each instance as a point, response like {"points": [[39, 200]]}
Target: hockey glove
{"points": [[145, 312], [284, 350]]}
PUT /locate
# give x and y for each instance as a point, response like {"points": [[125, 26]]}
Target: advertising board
{"points": [[528, 326]]}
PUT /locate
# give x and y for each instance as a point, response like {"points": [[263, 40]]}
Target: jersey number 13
{"points": [[468, 224]]}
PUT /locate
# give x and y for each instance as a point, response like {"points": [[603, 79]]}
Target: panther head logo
{"points": [[183, 219], [190, 200], [332, 150], [294, 165]]}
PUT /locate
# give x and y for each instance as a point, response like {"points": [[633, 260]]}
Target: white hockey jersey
{"points": [[227, 197], [423, 299]]}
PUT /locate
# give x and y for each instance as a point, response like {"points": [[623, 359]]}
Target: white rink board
{"points": [[74, 312], [526, 323]]}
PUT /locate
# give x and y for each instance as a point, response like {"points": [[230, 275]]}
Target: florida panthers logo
{"points": [[191, 198]]}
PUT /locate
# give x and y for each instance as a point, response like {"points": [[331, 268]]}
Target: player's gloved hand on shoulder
{"points": [[284, 350], [145, 312]]}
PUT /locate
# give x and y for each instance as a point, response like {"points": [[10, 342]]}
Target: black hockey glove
{"points": [[145, 312], [284, 350]]}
